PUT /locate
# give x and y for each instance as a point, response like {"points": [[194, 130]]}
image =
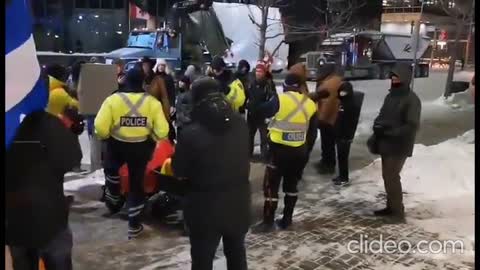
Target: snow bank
{"points": [[438, 182], [434, 172]]}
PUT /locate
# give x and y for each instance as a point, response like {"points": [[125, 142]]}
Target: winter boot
{"points": [[267, 225], [286, 220], [114, 203], [134, 231], [387, 211]]}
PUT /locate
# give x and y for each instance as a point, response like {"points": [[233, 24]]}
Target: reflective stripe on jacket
{"points": [[236, 95], [131, 117], [290, 124]]}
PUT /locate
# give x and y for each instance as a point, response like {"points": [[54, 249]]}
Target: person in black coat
{"points": [[394, 132], [345, 127], [212, 156], [36, 207], [163, 71], [261, 90]]}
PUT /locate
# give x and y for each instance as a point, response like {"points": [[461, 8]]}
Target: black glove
{"points": [[77, 119], [379, 129]]}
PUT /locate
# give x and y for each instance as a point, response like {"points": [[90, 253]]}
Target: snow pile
{"points": [[95, 178]]}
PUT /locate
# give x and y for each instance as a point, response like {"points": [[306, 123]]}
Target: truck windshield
{"points": [[141, 40]]}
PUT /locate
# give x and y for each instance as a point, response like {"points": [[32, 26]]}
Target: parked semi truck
{"points": [[192, 35], [367, 54]]}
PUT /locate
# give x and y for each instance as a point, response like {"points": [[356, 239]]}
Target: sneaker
{"points": [[383, 212], [340, 182], [135, 232], [263, 227]]}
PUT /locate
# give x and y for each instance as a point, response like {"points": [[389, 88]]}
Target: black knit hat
{"points": [[218, 63], [146, 59], [243, 66], [204, 86], [134, 79], [292, 82], [57, 71]]}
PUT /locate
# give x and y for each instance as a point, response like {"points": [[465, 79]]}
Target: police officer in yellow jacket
{"points": [[291, 129], [131, 121], [232, 87]]}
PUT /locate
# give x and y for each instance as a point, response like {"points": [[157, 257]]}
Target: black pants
{"points": [[285, 163], [253, 126], [343, 153], [136, 156], [391, 168], [327, 137], [204, 245]]}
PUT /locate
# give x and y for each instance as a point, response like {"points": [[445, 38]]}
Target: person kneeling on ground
{"points": [[212, 155], [394, 132]]}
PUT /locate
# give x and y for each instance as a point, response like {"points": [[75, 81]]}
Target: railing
{"points": [[415, 9]]}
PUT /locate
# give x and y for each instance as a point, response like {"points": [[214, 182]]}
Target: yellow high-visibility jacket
{"points": [[131, 117], [236, 96], [58, 99], [290, 124]]}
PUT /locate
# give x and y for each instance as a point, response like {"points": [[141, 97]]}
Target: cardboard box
{"points": [[96, 83]]}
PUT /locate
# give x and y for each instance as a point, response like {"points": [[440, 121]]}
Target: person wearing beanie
{"points": [[231, 87], [156, 86], [58, 99], [327, 80], [147, 67], [301, 70], [261, 90], [345, 127], [243, 72], [183, 104], [130, 121], [290, 132], [218, 198], [162, 70]]}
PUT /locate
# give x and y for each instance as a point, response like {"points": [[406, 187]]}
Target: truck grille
{"points": [[312, 61]]}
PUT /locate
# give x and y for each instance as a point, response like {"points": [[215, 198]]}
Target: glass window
{"points": [[94, 3], [142, 39], [106, 4], [81, 3], [118, 3]]}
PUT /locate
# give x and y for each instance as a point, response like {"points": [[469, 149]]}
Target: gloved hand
{"points": [[323, 94], [77, 121], [380, 128]]}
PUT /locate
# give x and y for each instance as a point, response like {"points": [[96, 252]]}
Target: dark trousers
{"points": [[327, 137], [255, 125], [136, 156], [391, 168], [285, 163], [343, 153], [204, 245], [56, 255]]}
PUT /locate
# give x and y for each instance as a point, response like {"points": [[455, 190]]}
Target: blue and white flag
{"points": [[25, 92]]}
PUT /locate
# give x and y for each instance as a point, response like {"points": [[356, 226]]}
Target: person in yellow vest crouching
{"points": [[232, 87], [131, 121], [291, 129]]}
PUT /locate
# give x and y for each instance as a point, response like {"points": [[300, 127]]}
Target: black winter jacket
{"points": [[348, 115], [259, 93], [400, 117], [36, 208], [212, 155]]}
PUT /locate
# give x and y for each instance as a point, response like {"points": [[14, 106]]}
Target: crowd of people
{"points": [[212, 119]]}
